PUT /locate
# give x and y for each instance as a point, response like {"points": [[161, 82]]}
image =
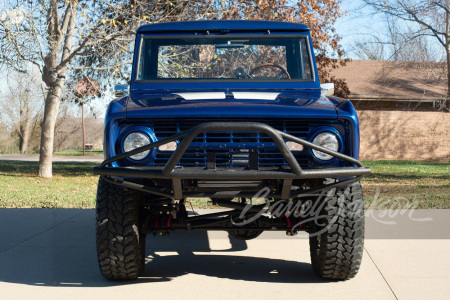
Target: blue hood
{"points": [[242, 104]]}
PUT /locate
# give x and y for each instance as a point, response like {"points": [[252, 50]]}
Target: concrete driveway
{"points": [[50, 254]]}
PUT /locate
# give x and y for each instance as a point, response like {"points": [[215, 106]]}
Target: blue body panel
{"points": [[286, 105], [150, 102], [231, 25]]}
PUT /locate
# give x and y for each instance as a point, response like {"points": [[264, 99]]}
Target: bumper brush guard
{"points": [[169, 171]]}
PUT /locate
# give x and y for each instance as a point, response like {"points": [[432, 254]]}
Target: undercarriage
{"points": [[244, 221]]}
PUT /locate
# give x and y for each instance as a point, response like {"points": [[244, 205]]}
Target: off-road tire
{"points": [[120, 242], [337, 251]]}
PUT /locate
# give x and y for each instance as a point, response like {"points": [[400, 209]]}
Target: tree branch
{"points": [[69, 35], [56, 18], [416, 18], [67, 60], [101, 68], [65, 23], [441, 6]]}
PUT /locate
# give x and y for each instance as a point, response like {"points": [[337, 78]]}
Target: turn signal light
{"points": [[171, 146], [294, 146]]}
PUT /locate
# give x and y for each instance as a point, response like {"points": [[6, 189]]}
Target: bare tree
{"points": [[432, 18], [369, 48], [23, 105], [57, 36], [396, 42], [68, 127]]}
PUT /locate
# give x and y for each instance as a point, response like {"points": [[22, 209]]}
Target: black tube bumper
{"points": [[176, 174]]}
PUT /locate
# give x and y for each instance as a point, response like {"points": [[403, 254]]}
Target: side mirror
{"points": [[121, 90], [327, 89]]}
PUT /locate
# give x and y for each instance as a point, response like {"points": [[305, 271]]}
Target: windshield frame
{"points": [[221, 80]]}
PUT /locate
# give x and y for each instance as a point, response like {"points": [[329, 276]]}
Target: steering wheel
{"points": [[270, 65]]}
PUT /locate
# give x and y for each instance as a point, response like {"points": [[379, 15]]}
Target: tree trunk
{"points": [[446, 104], [55, 82], [82, 121], [48, 128], [25, 137], [24, 123]]}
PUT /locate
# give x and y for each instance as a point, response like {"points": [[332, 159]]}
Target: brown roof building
{"points": [[399, 108], [395, 85]]}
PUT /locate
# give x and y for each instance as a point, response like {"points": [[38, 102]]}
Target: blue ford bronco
{"points": [[232, 111]]}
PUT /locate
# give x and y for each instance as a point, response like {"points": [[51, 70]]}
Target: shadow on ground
{"points": [[167, 258]]}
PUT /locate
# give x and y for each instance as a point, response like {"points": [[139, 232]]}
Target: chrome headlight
{"points": [[327, 140], [135, 140]]}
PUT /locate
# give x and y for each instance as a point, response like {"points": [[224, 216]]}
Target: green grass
{"points": [[79, 152], [72, 186], [426, 184], [392, 183]]}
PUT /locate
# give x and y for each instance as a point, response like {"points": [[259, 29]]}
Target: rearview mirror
{"points": [[121, 90], [230, 44], [327, 89]]}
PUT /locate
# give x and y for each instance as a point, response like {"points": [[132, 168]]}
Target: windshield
{"points": [[224, 58]]}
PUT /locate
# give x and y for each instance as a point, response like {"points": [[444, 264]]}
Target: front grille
{"points": [[231, 148]]}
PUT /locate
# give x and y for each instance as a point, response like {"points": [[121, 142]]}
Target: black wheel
{"points": [[120, 242], [337, 245]]}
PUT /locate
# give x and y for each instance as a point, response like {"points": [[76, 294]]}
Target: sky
{"points": [[357, 23], [361, 23]]}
